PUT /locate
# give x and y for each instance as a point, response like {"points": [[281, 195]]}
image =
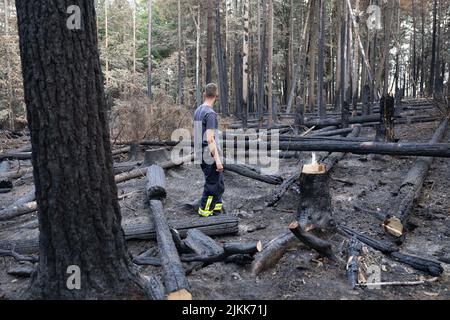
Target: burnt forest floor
{"points": [[368, 181]]}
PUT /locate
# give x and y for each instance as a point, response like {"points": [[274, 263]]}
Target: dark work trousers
{"points": [[213, 189]]}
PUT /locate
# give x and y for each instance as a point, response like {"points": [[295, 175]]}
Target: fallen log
{"points": [[156, 186], [394, 149], [371, 242], [17, 211], [429, 266], [12, 155], [21, 258], [202, 245], [273, 252], [120, 151], [323, 247], [141, 172], [318, 123], [410, 189], [331, 133], [213, 226], [282, 189], [250, 248], [11, 175], [175, 282], [253, 174], [21, 271]]}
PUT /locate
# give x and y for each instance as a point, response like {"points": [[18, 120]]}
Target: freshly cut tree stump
{"points": [[175, 282], [315, 199], [273, 252], [323, 247], [156, 186]]}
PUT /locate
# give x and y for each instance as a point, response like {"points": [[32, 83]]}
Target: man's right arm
{"points": [[210, 138]]}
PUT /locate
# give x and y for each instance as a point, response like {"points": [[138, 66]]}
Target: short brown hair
{"points": [[211, 90]]}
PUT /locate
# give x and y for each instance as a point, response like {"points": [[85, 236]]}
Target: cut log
{"points": [[179, 243], [21, 258], [202, 245], [253, 174], [21, 271], [323, 247], [251, 248], [11, 175], [120, 151], [431, 267], [332, 133], [337, 121], [395, 149], [273, 252], [371, 242], [153, 287], [354, 252], [147, 261], [213, 226], [17, 211], [156, 186], [141, 172], [12, 155], [175, 282], [410, 189]]}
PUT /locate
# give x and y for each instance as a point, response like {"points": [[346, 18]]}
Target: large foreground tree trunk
{"points": [[79, 215]]}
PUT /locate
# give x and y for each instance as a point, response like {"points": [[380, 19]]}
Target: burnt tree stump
{"points": [[315, 200]]}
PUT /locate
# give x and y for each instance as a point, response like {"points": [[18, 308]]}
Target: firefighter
{"points": [[206, 128]]}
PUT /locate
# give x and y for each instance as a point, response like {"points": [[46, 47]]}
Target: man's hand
{"points": [[219, 166]]}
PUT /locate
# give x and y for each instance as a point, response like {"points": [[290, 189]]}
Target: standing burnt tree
{"points": [[79, 214]]}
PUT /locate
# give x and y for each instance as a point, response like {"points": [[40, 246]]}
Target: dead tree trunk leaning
{"points": [[410, 189], [73, 231], [177, 287]]}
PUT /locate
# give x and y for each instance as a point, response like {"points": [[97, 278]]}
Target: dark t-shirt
{"points": [[206, 119]]}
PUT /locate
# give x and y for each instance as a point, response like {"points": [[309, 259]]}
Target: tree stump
{"points": [[314, 210]]}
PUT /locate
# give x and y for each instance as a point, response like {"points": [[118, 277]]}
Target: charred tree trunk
{"points": [[221, 56], [79, 215], [386, 130], [209, 42]]}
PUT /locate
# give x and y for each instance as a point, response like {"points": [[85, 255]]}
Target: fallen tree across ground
{"points": [[410, 189], [213, 226]]}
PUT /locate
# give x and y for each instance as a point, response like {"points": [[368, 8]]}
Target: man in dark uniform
{"points": [[206, 126]]}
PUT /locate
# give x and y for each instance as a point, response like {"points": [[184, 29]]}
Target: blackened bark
{"points": [[222, 64], [209, 40], [79, 215]]}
